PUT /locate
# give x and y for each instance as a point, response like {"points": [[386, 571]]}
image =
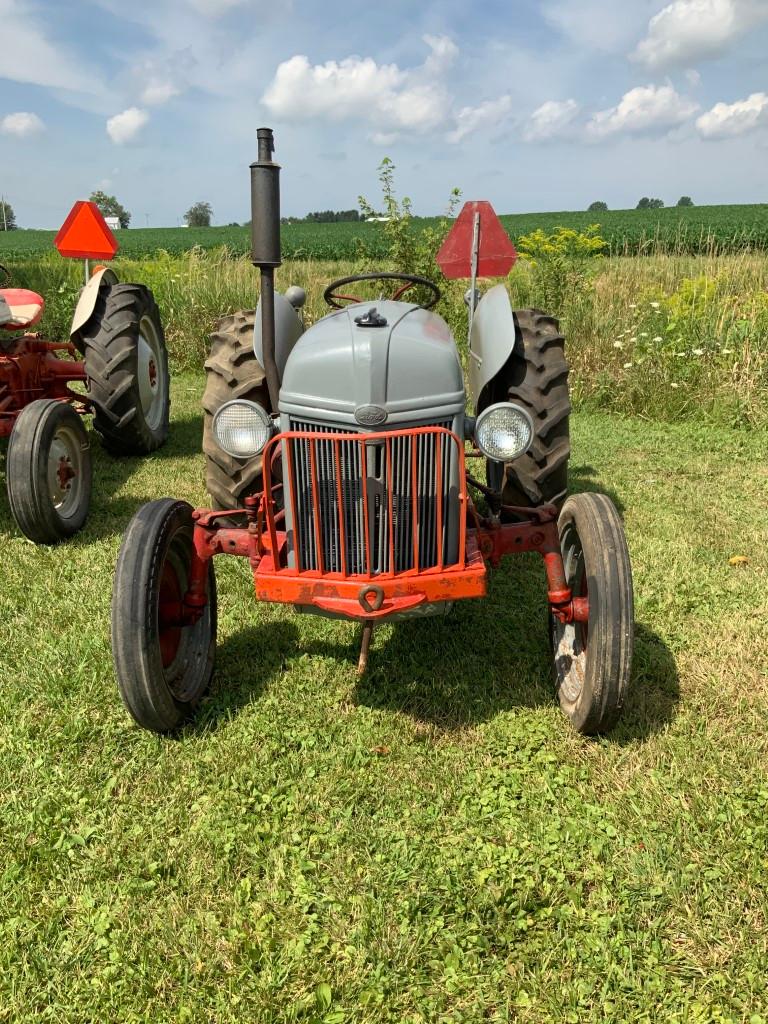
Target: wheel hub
{"points": [[64, 472]]}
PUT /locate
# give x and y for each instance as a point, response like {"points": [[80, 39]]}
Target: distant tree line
{"points": [[324, 217], [644, 204]]}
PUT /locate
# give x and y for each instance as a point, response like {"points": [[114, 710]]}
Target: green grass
{"points": [[270, 865], [692, 230]]}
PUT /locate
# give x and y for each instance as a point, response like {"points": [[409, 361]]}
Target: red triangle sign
{"points": [[496, 255], [84, 234]]}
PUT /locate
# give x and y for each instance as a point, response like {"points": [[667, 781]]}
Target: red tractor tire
{"points": [[127, 366], [48, 471], [162, 668]]}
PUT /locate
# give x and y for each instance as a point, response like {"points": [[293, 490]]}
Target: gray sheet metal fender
{"points": [[288, 329], [88, 296], [492, 340]]}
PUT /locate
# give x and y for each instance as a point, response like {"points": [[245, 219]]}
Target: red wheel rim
{"points": [[169, 615]]}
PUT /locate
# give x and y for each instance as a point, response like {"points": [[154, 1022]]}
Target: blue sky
{"points": [[535, 106]]}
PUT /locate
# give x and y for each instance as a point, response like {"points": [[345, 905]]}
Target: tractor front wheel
{"points": [[163, 665], [48, 471], [593, 659]]}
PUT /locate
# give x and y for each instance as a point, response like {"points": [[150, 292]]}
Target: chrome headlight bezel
{"points": [[265, 421], [482, 420]]}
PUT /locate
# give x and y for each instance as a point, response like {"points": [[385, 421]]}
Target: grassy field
{"points": [[430, 844], [666, 337], [691, 230]]}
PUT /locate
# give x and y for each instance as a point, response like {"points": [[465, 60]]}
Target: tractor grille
{"points": [[378, 505]]}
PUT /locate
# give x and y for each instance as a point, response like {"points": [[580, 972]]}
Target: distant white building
{"points": [[113, 223]]}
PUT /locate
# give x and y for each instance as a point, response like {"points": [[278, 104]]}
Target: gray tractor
{"points": [[337, 461]]}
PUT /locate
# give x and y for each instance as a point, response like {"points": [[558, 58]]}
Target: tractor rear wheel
{"points": [[163, 667], [127, 366], [593, 660], [231, 371], [48, 471], [536, 377]]}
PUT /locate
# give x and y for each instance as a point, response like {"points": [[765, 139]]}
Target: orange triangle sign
{"points": [[496, 253], [84, 234]]}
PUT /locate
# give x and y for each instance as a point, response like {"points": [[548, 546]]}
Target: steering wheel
{"points": [[5, 275], [411, 281]]}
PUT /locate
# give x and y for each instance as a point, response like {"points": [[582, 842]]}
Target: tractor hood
{"points": [[404, 371]]}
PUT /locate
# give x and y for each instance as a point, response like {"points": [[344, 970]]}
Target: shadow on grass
{"points": [[586, 478], [245, 664], [111, 511], [490, 656]]}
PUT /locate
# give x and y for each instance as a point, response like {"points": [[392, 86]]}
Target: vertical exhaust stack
{"points": [[265, 248]]}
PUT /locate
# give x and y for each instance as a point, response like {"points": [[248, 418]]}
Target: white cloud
{"points": [[470, 119], [553, 119], [603, 25], [21, 124], [690, 30], [443, 53], [357, 87], [727, 120], [28, 56], [158, 91], [124, 127], [646, 110]]}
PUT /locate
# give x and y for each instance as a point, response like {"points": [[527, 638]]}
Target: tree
{"points": [[199, 215], [685, 201], [650, 204], [7, 216], [598, 207], [110, 207]]}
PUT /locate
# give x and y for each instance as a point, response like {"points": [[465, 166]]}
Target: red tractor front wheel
{"points": [[48, 471], [163, 660], [593, 660]]}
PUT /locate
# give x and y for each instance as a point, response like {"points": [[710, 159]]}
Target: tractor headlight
{"points": [[242, 428], [504, 431]]}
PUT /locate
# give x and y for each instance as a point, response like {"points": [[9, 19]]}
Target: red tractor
{"points": [[117, 351]]}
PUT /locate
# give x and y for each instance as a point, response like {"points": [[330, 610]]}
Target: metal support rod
{"points": [[473, 275], [365, 646], [268, 335]]}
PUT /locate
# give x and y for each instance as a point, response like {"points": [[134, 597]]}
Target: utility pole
{"points": [[5, 218]]}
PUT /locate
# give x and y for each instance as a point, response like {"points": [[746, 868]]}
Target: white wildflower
{"points": [[618, 344], [633, 305], [674, 385], [697, 351], [727, 351], [658, 338], [655, 305], [644, 334], [633, 340], [627, 366]]}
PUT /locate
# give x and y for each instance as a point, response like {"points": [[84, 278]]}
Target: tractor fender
{"points": [[492, 340], [288, 329], [88, 296]]}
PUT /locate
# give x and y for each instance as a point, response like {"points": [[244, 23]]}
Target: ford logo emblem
{"points": [[371, 415]]}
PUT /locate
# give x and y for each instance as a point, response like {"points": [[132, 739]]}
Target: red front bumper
{"points": [[372, 595]]}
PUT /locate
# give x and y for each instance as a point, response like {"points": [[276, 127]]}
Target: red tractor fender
{"points": [[102, 277]]}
